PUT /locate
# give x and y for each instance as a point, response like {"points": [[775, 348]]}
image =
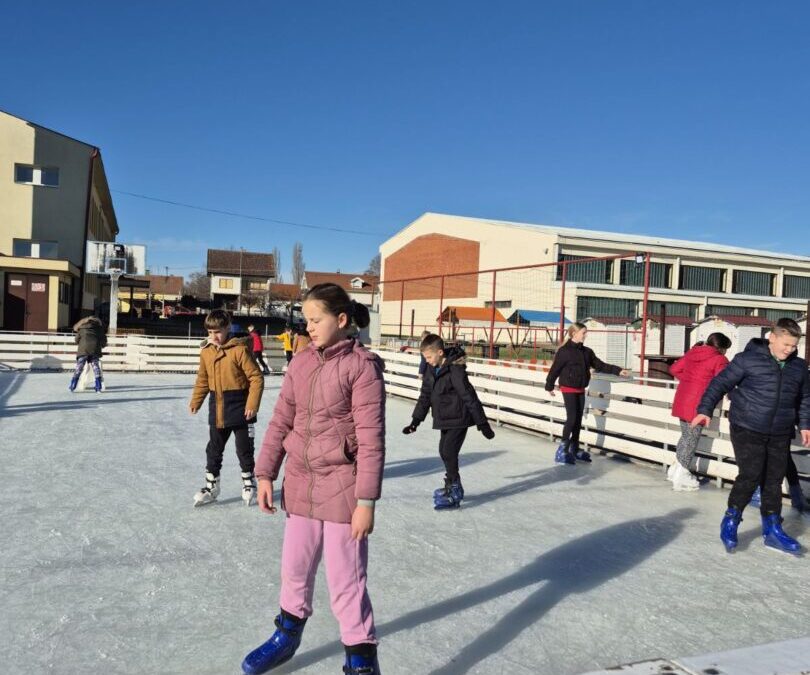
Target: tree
{"points": [[374, 265], [198, 285], [298, 266], [277, 263]]}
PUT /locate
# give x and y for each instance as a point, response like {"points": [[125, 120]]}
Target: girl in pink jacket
{"points": [[329, 422]]}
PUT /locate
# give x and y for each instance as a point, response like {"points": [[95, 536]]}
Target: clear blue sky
{"points": [[686, 119]]}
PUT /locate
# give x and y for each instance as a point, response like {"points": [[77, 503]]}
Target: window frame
{"points": [[37, 172]]}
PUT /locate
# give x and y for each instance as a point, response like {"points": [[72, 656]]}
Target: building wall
{"points": [[411, 253], [16, 201]]}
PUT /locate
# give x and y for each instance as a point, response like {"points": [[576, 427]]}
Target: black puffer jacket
{"points": [[572, 364], [449, 394], [90, 336], [764, 397]]}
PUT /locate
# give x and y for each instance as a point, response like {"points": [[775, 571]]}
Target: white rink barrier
{"points": [[629, 417], [123, 353]]}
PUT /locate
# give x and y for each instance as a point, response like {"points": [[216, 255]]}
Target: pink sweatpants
{"points": [[305, 540]]}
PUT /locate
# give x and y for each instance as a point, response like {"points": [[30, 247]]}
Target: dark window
{"points": [[701, 279], [606, 307], [21, 248], [796, 287], [26, 248], [36, 175], [632, 274], [752, 283], [23, 173], [594, 272], [499, 304], [729, 310], [776, 314], [673, 309]]}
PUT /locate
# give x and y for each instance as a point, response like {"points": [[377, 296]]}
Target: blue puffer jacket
{"points": [[764, 397]]}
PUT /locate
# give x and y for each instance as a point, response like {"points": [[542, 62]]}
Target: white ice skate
{"points": [[683, 480], [671, 471], [210, 492], [248, 488]]}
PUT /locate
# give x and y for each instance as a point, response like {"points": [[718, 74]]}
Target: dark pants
{"points": [[761, 460], [289, 356], [449, 448], [260, 360], [244, 434], [791, 473], [574, 408]]}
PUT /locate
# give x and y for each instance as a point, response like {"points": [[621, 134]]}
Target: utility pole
{"points": [[165, 281], [239, 297]]}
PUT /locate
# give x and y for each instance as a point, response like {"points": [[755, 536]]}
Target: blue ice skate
{"points": [[774, 536], [580, 454], [98, 384], [439, 492], [756, 498], [728, 528], [278, 649], [562, 456], [450, 498], [73, 382], [361, 663], [797, 498]]}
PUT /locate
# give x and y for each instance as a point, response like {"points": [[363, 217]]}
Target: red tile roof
{"points": [[742, 320], [246, 263], [285, 291], [170, 285]]}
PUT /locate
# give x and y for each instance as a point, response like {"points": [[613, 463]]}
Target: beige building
{"points": [[53, 198], [693, 279]]}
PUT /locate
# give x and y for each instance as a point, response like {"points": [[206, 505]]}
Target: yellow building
{"points": [[53, 198]]}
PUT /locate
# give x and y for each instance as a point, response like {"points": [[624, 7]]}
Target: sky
{"points": [[683, 119]]}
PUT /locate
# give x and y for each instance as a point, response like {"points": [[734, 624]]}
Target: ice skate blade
{"points": [[796, 554], [203, 502], [685, 488]]}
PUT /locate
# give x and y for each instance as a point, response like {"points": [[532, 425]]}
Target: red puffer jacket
{"points": [[694, 372], [329, 421], [258, 345]]}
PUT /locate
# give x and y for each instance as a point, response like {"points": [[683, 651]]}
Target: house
{"points": [[151, 291], [54, 197], [240, 278], [739, 329], [362, 288]]}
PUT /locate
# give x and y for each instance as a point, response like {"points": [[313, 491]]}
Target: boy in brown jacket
{"points": [[228, 372]]}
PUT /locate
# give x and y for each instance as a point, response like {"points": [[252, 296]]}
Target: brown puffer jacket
{"points": [[90, 336], [229, 373]]}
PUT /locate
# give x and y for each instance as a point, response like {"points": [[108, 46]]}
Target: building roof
{"points": [[609, 320], [482, 314], [370, 281], [740, 320], [285, 291], [158, 283], [536, 316], [671, 320], [633, 240], [240, 263]]}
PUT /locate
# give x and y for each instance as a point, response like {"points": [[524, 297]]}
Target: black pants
{"points": [[574, 408], [260, 360], [289, 356], [244, 434], [761, 460], [791, 473], [449, 448]]}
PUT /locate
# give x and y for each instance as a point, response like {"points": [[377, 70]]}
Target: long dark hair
{"points": [[336, 301]]}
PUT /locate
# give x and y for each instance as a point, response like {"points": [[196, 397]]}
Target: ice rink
{"points": [[107, 568]]}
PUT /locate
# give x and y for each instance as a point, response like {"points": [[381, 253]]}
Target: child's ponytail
{"points": [[336, 301]]}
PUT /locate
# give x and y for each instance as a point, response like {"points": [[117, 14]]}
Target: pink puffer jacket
{"points": [[330, 422]]}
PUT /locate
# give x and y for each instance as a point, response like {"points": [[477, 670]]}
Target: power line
{"points": [[247, 216]]}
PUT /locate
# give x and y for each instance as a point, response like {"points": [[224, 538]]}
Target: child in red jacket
{"points": [[694, 372]]}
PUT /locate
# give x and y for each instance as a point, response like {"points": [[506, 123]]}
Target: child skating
{"points": [[229, 373], [769, 389], [91, 338], [447, 393], [329, 423]]}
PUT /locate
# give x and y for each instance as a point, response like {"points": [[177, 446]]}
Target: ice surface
{"points": [[107, 567]]}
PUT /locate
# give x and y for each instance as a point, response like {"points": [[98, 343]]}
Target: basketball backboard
{"points": [[115, 258]]}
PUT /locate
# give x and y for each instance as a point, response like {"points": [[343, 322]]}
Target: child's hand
{"points": [[249, 414], [625, 372], [409, 429], [552, 393], [264, 495], [487, 431], [362, 522], [193, 410], [806, 438], [700, 420]]}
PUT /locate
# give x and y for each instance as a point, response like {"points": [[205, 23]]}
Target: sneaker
{"points": [[683, 480], [210, 492]]}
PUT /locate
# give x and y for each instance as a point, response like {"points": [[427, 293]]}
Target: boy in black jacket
{"points": [[769, 389], [455, 407]]}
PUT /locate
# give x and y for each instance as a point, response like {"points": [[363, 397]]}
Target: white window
{"points": [[357, 282], [47, 176]]}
